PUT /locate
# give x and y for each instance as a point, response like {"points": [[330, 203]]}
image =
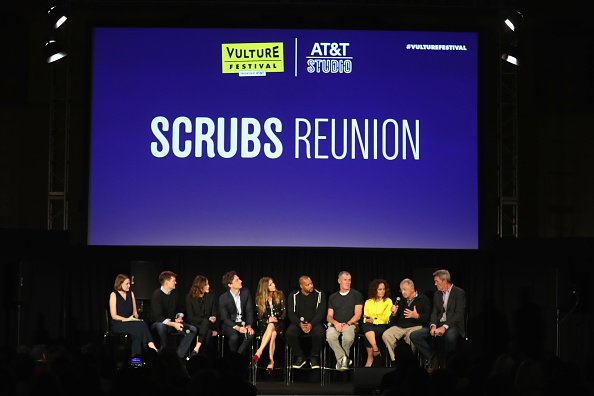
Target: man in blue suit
{"points": [[236, 309], [447, 319]]}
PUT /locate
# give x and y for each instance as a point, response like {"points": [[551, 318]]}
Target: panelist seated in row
{"points": [[447, 321], [124, 316], [168, 316], [236, 312], [306, 310], [407, 317], [271, 311], [202, 313], [344, 312], [376, 317]]}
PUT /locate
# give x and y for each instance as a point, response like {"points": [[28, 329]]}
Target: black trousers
{"points": [[295, 337]]}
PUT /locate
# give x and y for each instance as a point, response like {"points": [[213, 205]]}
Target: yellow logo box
{"points": [[268, 57]]}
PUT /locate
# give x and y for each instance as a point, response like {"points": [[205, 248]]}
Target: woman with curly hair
{"points": [[376, 316]]}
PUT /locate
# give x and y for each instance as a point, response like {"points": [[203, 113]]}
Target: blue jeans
{"points": [[182, 349], [422, 339]]}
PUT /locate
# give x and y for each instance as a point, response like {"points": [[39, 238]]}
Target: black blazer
{"points": [[200, 310], [228, 310], [456, 309]]}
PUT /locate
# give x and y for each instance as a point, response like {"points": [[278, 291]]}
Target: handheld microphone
{"points": [[396, 304], [245, 335]]}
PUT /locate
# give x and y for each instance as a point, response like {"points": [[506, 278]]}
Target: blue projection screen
{"points": [[266, 137]]}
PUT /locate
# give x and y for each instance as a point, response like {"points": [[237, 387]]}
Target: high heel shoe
{"points": [[376, 353], [269, 368], [255, 359]]}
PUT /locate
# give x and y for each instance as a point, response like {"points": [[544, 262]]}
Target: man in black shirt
{"points": [[167, 316], [306, 309], [344, 311], [411, 316]]}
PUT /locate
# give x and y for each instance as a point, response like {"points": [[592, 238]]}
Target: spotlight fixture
{"points": [[54, 51], [510, 25], [513, 20], [57, 16], [511, 59]]}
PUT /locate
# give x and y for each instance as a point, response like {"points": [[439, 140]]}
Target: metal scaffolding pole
{"points": [[507, 148], [58, 141]]}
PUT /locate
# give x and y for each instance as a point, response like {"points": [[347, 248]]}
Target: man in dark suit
{"points": [[447, 318], [236, 309]]}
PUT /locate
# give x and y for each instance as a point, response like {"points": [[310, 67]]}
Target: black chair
{"points": [[329, 360], [380, 345], [111, 338], [289, 374], [220, 344]]}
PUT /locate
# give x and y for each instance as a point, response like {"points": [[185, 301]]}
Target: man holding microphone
{"points": [[408, 316]]}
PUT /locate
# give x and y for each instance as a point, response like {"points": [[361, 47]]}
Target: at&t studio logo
{"points": [[329, 58]]}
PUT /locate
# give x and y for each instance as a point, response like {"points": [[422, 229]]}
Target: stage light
{"points": [[510, 37], [57, 16], [511, 59], [513, 20], [510, 24], [54, 51]]}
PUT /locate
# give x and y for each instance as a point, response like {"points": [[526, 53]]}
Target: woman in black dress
{"points": [[124, 317], [202, 313], [271, 310]]}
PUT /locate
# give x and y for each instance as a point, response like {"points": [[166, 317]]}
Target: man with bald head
{"points": [[306, 309]]}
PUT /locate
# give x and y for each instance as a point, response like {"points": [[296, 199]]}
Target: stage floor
{"points": [[304, 388], [363, 381]]}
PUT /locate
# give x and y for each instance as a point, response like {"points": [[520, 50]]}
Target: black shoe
{"points": [[298, 362], [431, 365], [315, 362]]}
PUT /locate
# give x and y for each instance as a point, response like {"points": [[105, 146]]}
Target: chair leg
{"points": [[288, 365], [323, 365], [253, 366]]}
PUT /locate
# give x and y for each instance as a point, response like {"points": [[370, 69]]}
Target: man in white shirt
{"points": [[236, 309], [446, 322]]}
